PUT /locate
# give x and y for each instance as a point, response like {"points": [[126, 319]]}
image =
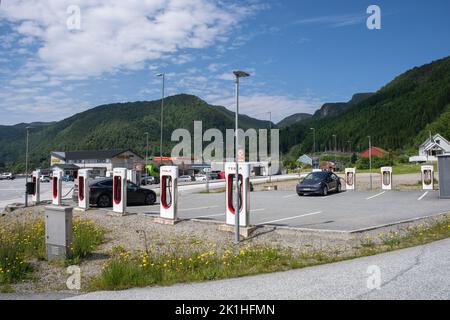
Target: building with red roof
{"points": [[376, 152]]}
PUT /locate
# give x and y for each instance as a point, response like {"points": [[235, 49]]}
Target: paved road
{"points": [[414, 273], [346, 211]]}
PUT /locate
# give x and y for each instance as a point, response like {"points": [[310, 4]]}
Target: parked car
{"points": [[213, 175], [319, 183], [221, 175], [7, 176], [44, 179], [101, 194], [68, 178], [185, 178], [149, 180]]}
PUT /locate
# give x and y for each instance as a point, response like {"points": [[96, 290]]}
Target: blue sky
{"points": [[300, 53]]}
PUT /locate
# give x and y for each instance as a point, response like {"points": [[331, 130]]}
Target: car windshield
{"points": [[315, 177]]}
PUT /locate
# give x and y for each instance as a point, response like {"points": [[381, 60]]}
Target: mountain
{"points": [[113, 126], [293, 119], [336, 108], [396, 117]]}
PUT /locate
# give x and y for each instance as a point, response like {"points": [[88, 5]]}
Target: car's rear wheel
{"points": [[325, 191], [150, 199], [339, 188], [300, 194], [104, 201]]}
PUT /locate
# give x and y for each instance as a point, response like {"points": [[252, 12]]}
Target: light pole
{"points": [[335, 149], [237, 74], [314, 144], [370, 160], [163, 75], [26, 168], [270, 131], [146, 152]]}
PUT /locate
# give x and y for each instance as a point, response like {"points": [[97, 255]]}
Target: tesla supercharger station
{"points": [[427, 177], [119, 190], [83, 188], [386, 178], [169, 192], [244, 193], [350, 178], [36, 196], [57, 187]]}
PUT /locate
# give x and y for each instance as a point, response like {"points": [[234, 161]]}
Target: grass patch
{"points": [[198, 261], [20, 243]]}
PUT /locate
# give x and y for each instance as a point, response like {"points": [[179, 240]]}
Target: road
{"points": [[413, 273]]}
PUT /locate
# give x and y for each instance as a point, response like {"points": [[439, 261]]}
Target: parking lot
{"points": [[347, 211]]}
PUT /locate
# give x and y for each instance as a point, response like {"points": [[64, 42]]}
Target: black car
{"points": [[320, 182], [101, 194]]}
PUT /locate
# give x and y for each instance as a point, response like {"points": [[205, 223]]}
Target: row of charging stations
{"points": [[386, 178]]}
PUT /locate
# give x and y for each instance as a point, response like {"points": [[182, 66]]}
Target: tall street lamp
{"points": [[146, 152], [370, 160], [314, 144], [270, 132], [335, 149], [237, 74], [26, 167], [163, 75]]}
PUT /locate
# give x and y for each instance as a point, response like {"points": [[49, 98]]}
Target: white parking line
{"points": [[423, 196], [289, 196], [378, 194], [211, 215], [290, 218], [199, 208], [256, 210]]}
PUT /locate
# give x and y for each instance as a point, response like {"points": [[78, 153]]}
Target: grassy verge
{"points": [[21, 243], [199, 261]]}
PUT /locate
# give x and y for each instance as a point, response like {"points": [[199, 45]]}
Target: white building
{"points": [[101, 161], [431, 148]]}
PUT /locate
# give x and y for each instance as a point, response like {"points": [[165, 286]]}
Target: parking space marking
{"points": [[210, 216], [377, 195], [289, 196], [256, 210], [423, 196], [290, 218], [199, 208]]}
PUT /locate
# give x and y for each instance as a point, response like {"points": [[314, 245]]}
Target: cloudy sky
{"points": [[59, 57]]}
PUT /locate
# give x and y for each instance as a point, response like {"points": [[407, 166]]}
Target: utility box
{"points": [[444, 176], [58, 232]]}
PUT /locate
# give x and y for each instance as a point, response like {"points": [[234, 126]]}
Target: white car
{"points": [[7, 176], [200, 177], [185, 179], [44, 179]]}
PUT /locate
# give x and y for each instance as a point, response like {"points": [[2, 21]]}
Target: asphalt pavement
{"points": [[414, 273]]}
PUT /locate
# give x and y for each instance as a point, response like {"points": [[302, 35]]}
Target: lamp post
{"points": [[237, 74], [26, 168], [163, 75], [146, 152], [370, 160], [270, 131], [335, 149], [314, 144]]}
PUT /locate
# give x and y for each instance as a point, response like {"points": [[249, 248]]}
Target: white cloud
{"points": [[259, 105], [119, 35]]}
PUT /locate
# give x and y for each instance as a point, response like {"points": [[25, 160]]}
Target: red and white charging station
{"points": [[36, 196], [386, 178], [427, 177], [119, 190], [83, 188], [350, 178], [57, 187], [244, 193], [169, 192]]}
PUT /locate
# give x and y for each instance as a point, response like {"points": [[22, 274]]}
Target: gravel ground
{"points": [[128, 232]]}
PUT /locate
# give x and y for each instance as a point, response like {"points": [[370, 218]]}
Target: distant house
{"points": [[309, 160], [100, 161], [376, 152], [431, 148], [328, 165]]}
